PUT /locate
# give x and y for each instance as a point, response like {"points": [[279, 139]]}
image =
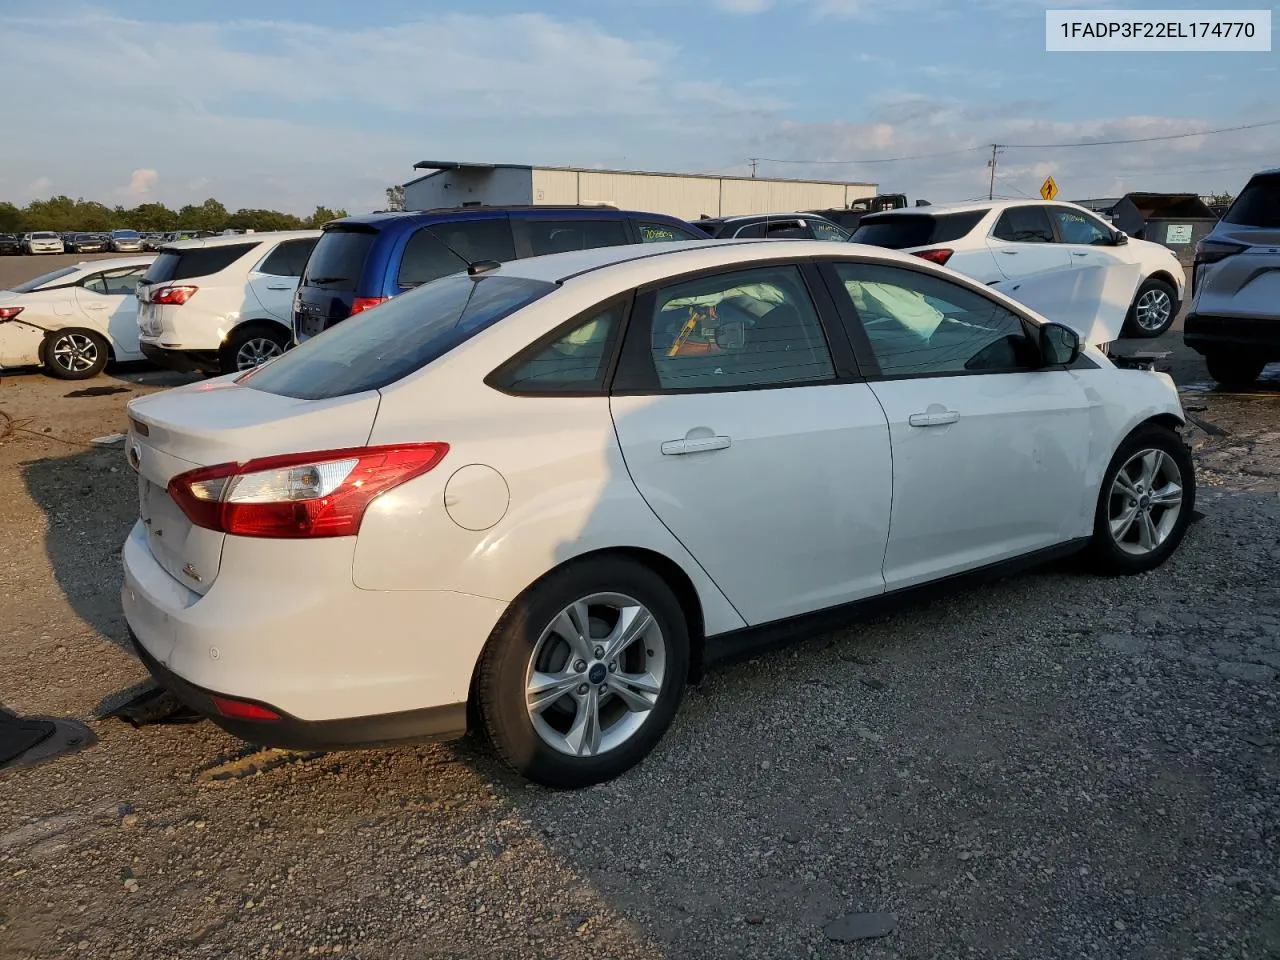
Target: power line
{"points": [[1171, 136]]}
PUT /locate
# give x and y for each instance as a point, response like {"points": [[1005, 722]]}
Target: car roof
{"points": [[234, 238], [969, 206], [394, 216], [754, 217], [680, 256]]}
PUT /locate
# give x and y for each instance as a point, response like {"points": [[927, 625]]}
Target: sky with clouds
{"points": [[293, 104]]}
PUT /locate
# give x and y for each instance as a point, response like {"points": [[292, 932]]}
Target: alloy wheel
{"points": [[1153, 310], [75, 352], [1145, 502], [255, 351], [595, 674]]}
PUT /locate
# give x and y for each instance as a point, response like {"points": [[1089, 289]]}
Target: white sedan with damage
{"points": [[545, 495]]}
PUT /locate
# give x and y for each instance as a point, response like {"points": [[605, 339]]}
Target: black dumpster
{"points": [[1176, 220]]}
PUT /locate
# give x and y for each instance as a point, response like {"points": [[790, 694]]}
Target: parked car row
{"points": [[112, 241]]}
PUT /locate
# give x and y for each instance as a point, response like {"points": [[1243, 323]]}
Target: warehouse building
{"points": [[689, 196]]}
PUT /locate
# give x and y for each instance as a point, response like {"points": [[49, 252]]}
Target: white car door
{"points": [[741, 436], [1022, 242], [990, 451], [106, 302], [275, 279]]}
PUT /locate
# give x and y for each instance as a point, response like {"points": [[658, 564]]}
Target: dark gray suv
{"points": [[1234, 320]]}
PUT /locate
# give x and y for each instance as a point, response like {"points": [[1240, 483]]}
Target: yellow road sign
{"points": [[1048, 189]]}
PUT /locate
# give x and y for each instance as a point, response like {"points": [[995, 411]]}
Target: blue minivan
{"points": [[361, 261]]}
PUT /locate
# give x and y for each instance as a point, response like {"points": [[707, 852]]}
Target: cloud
{"points": [[140, 183], [743, 6]]}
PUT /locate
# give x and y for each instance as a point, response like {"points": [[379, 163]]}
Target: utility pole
{"points": [[991, 186], [752, 161]]}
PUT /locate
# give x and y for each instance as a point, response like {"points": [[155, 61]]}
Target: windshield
{"points": [[125, 234], [338, 260], [44, 235], [391, 341], [1258, 204], [42, 280]]}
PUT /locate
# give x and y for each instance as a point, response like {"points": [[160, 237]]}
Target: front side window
{"points": [[749, 328], [1024, 225], [401, 336], [1075, 226], [921, 325], [574, 362]]}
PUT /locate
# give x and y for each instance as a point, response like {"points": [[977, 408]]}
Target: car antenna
{"points": [[481, 268]]}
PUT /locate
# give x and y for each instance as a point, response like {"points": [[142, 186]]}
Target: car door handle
{"points": [[675, 448], [279, 286], [1010, 253], [95, 306], [1079, 253], [933, 419]]}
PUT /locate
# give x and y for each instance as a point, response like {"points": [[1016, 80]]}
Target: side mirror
{"points": [[1059, 345], [1119, 238]]}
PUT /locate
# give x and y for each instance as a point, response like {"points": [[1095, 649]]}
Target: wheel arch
{"points": [[253, 323], [1166, 276]]}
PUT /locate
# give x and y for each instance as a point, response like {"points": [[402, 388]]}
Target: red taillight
{"points": [[174, 296], [361, 304], [940, 255], [8, 313], [243, 710], [299, 495]]}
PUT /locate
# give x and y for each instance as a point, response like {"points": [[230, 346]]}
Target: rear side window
{"points": [[426, 258], [391, 341], [822, 230], [1258, 204], [174, 265], [651, 232], [289, 258], [561, 236], [337, 260], [574, 362], [1024, 225]]}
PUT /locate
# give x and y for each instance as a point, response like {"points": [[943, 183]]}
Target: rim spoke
{"points": [[632, 623], [1169, 495], [573, 626], [639, 691], [584, 736], [546, 688], [1152, 461], [1125, 483], [1121, 525], [1148, 536]]}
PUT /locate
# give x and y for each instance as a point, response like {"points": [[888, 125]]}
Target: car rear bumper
{"points": [[284, 626], [1205, 333], [184, 361]]}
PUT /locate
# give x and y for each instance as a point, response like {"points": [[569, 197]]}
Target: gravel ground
{"points": [[1055, 765]]}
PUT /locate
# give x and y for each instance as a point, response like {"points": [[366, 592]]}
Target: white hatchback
{"points": [[555, 490], [222, 304], [72, 320], [1007, 241]]}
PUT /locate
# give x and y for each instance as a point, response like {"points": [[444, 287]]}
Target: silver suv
{"points": [[1234, 320]]}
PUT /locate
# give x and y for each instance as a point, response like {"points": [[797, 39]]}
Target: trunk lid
{"points": [[219, 421], [332, 279]]}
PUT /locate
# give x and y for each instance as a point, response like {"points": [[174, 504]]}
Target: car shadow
{"points": [[88, 499]]}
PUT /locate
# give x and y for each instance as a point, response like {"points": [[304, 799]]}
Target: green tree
{"points": [[322, 216], [152, 216], [56, 213], [12, 220]]}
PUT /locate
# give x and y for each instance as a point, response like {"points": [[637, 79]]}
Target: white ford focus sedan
{"points": [[544, 495]]}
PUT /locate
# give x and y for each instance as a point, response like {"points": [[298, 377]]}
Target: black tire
{"points": [[74, 354], [1109, 555], [1234, 371], [1153, 294], [242, 342], [502, 678]]}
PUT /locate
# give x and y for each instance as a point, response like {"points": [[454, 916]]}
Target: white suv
{"points": [[222, 304], [998, 241]]}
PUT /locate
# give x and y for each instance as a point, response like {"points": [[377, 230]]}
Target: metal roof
{"points": [[441, 166]]}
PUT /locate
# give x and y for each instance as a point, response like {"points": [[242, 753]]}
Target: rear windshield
{"points": [[899, 231], [40, 281], [391, 341], [1258, 204], [174, 265], [338, 260]]}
